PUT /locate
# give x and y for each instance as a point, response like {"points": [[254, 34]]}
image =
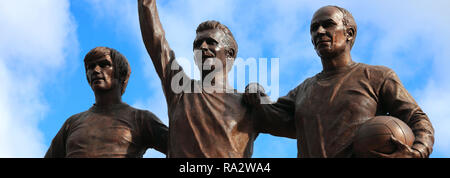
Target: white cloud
{"points": [[35, 39], [122, 14]]}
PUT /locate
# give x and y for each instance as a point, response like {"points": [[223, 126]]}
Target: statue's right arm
{"points": [[153, 36]]}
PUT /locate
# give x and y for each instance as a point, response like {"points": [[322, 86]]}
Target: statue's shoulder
{"points": [[142, 113], [74, 118], [79, 115], [308, 82], [376, 71], [375, 68]]}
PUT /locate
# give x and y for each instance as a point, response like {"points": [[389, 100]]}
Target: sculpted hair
{"points": [[348, 21], [229, 42], [122, 70]]}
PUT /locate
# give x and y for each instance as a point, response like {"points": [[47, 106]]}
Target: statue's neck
{"points": [[336, 62], [107, 98]]}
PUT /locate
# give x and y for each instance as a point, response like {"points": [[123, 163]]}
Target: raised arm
{"points": [[153, 36]]}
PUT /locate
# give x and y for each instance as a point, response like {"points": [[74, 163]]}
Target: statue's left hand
{"points": [[403, 151]]}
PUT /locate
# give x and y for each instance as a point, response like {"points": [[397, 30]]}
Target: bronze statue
{"points": [[325, 111], [110, 128], [204, 120]]}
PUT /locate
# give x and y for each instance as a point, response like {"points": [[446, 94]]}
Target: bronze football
{"points": [[375, 135]]}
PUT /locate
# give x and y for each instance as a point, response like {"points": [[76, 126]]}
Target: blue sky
{"points": [[43, 42]]}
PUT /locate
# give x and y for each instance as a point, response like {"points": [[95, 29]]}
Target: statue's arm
{"points": [[399, 103], [273, 118], [277, 118], [153, 36], [57, 148], [157, 131]]}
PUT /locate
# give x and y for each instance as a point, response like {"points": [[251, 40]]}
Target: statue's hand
{"points": [[253, 94], [146, 2], [403, 151]]}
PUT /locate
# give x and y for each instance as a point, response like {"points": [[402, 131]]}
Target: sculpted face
{"points": [[100, 73], [328, 33], [210, 43]]}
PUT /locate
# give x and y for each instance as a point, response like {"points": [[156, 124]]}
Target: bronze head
{"points": [[106, 68], [333, 29], [215, 40]]}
